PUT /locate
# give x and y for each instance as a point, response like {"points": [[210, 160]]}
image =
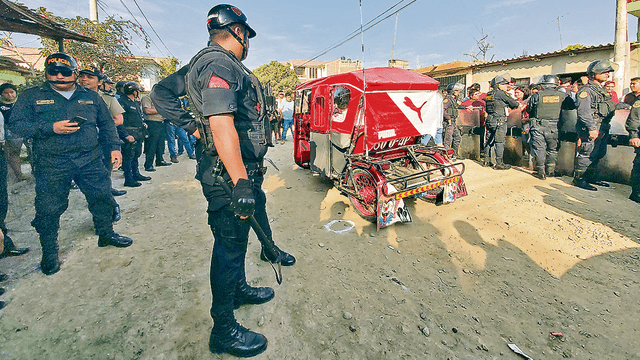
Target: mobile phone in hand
{"points": [[78, 120]]}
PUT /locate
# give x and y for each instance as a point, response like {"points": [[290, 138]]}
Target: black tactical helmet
{"points": [[61, 62], [130, 87], [91, 70], [599, 67], [223, 15], [120, 85], [454, 87], [549, 80], [106, 79]]}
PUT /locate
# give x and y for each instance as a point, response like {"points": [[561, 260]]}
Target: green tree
{"points": [[281, 76], [111, 53], [167, 67]]}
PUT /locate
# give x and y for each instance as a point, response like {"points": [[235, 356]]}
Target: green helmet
{"points": [[599, 67]]}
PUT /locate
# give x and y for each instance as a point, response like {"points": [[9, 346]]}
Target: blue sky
{"points": [[428, 31]]}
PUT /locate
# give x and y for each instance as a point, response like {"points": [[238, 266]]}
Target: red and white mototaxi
{"points": [[363, 129]]}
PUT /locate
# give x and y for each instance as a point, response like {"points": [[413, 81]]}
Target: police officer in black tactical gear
{"points": [[228, 101], [633, 127], [69, 125], [544, 110], [451, 104], [595, 110], [498, 101], [132, 133]]}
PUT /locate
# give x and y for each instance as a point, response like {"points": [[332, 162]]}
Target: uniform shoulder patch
{"points": [[636, 104], [217, 82], [445, 101], [489, 98], [583, 94]]}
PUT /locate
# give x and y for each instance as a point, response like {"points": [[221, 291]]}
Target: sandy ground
{"points": [[515, 261]]}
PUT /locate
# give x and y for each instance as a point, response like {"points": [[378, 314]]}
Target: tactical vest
{"points": [[452, 108], [254, 134], [601, 104], [491, 102], [549, 104]]}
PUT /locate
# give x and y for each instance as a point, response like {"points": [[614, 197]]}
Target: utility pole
{"points": [[393, 48], [621, 48], [93, 10], [560, 32]]}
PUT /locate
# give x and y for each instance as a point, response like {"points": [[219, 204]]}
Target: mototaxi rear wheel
{"points": [[362, 183]]}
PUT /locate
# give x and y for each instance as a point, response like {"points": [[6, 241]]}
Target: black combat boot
{"points": [[114, 240], [540, 174], [50, 264], [246, 294], [500, 165], [583, 184], [551, 170], [227, 336]]}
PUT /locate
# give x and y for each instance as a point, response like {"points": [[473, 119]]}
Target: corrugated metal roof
{"points": [[18, 18], [537, 57]]}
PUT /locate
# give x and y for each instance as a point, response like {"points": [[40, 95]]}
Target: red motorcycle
{"points": [[363, 129]]}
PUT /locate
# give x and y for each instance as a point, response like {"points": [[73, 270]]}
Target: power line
{"points": [[154, 30], [360, 30], [104, 7], [140, 26]]}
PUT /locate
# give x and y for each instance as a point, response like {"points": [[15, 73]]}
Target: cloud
{"points": [[507, 3]]}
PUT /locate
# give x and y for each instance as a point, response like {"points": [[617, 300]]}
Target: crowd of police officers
{"points": [[76, 139], [546, 108]]}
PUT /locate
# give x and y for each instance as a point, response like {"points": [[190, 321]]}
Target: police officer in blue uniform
{"points": [[544, 110], [498, 101], [68, 125], [132, 133], [451, 104], [594, 108], [227, 99]]}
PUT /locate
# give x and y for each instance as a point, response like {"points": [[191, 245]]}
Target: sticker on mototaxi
{"points": [[384, 134], [391, 143], [422, 189], [85, 102], [45, 102]]}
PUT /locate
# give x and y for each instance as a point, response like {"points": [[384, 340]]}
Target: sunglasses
{"points": [[56, 71]]}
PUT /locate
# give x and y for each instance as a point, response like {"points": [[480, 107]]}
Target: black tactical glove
{"points": [[242, 200]]}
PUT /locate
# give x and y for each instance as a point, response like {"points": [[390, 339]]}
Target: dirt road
{"points": [[513, 262]]}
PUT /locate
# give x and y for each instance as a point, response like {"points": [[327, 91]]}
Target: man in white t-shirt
{"points": [[286, 111]]}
